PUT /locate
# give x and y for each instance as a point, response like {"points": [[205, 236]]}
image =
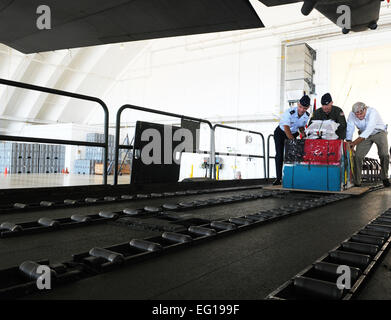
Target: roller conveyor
{"points": [[99, 260], [288, 205], [319, 281], [9, 229], [19, 207]]}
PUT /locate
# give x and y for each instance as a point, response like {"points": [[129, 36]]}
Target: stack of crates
{"points": [[323, 165], [52, 158], [94, 155], [84, 166], [31, 158], [6, 159]]}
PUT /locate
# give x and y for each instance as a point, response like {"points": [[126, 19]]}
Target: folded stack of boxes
{"points": [[31, 158], [323, 165]]}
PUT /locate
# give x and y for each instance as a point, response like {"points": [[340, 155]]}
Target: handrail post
{"points": [[212, 169], [264, 155]]}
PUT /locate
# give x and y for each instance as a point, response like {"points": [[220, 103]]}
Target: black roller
{"points": [[368, 239], [255, 217], [177, 237], [365, 248], [202, 231], [318, 288], [156, 195], [168, 194], [110, 198], [108, 214], [70, 201], [29, 269], [200, 203], [90, 200], [145, 245], [80, 218], [213, 201], [384, 220], [152, 209], [11, 226], [170, 215], [330, 269], [223, 225], [191, 192], [170, 206], [132, 212], [127, 197], [379, 227], [186, 204], [20, 205], [108, 255], [46, 204], [143, 196], [240, 221], [375, 233], [47, 222], [350, 258]]}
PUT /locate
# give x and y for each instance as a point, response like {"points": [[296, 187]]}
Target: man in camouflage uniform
{"points": [[331, 112]]}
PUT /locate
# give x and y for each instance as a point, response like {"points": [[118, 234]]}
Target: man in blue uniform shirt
{"points": [[291, 124], [372, 130]]}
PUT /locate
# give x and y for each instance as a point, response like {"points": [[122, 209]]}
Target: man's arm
{"points": [[356, 142], [302, 131], [288, 132], [341, 131], [350, 127]]}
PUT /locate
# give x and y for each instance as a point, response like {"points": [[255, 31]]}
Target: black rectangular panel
{"points": [[157, 171]]}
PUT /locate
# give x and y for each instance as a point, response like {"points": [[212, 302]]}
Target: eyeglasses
{"points": [[359, 112]]}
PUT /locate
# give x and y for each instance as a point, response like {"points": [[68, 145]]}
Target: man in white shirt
{"points": [[371, 129]]}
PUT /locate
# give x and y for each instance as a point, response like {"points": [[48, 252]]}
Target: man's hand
{"points": [[288, 133], [357, 141]]}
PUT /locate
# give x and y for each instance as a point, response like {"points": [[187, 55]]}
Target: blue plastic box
{"points": [[313, 177]]}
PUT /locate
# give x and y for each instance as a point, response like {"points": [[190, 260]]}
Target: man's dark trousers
{"points": [[279, 141]]}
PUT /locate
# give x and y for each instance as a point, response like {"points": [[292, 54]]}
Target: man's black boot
{"points": [[277, 182], [386, 183]]}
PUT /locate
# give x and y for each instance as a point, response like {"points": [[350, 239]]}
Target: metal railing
{"points": [[263, 156], [104, 145], [164, 113], [268, 155]]}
